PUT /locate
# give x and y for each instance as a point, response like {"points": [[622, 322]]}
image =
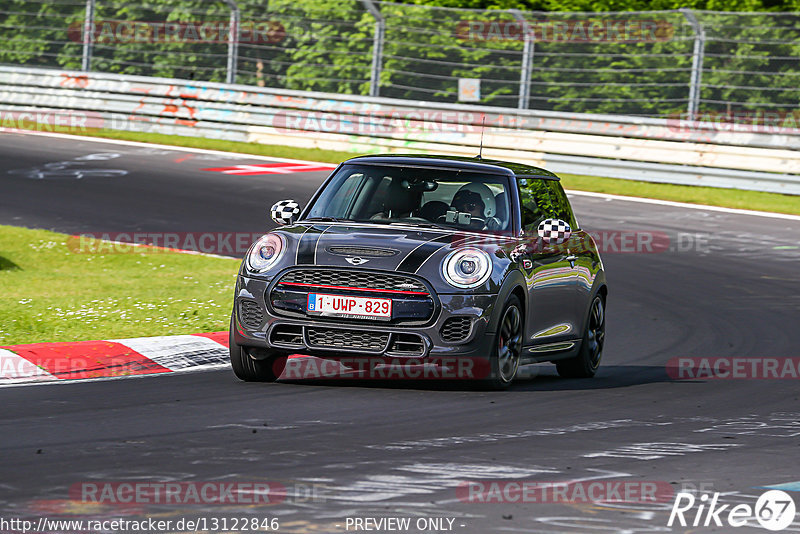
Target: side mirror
{"points": [[554, 231], [285, 211]]}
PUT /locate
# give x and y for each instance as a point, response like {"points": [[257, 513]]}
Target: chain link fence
{"points": [[658, 63]]}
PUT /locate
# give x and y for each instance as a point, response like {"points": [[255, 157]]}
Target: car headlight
{"points": [[467, 267], [266, 252]]}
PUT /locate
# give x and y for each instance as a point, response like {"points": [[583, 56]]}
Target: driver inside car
{"points": [[477, 200], [469, 202]]}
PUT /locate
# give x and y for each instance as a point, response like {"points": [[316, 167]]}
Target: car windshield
{"points": [[448, 198]]}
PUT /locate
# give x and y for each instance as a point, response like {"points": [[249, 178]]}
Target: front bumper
{"points": [[258, 324]]}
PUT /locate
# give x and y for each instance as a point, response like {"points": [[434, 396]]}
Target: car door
{"points": [[552, 293], [581, 256]]}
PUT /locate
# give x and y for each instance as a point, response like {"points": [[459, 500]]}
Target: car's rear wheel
{"points": [[508, 345], [249, 369], [585, 364]]}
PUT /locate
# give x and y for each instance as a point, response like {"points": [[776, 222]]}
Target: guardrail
{"points": [[638, 148]]}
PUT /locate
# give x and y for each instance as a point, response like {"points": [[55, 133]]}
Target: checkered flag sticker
{"points": [[554, 231], [518, 251], [285, 211]]}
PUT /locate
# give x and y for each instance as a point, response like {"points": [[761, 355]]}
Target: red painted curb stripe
{"points": [[87, 359], [219, 337]]}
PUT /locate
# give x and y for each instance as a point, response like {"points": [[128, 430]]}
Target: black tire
{"points": [[585, 364], [507, 349], [251, 370]]}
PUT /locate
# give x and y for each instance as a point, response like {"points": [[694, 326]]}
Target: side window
{"points": [[377, 198], [535, 204], [335, 202], [341, 201], [561, 207]]}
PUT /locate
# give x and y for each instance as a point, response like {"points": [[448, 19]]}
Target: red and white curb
{"points": [[51, 362]]}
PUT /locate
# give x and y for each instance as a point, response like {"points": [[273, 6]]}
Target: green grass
{"points": [[730, 198], [714, 196], [50, 293]]}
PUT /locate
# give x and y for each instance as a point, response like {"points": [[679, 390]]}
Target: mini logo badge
{"points": [[356, 260]]}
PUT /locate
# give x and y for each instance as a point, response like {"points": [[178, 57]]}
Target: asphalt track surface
{"points": [[398, 449]]}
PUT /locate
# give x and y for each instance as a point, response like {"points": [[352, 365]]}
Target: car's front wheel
{"points": [[585, 364], [508, 345], [249, 369]]}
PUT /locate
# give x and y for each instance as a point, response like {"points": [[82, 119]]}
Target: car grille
{"points": [[250, 314], [456, 329], [353, 279], [334, 338]]}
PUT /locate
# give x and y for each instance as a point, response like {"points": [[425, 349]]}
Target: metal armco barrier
{"points": [[658, 150]]}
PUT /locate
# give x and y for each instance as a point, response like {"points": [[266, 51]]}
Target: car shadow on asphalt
{"points": [[533, 378]]}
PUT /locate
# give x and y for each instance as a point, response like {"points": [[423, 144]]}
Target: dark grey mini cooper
{"points": [[427, 260]]}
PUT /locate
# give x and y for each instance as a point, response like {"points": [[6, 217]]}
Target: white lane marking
{"points": [[174, 148], [332, 166], [685, 205], [654, 451], [491, 437], [16, 369], [777, 424], [425, 479], [179, 353]]}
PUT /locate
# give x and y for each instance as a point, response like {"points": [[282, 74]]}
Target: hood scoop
{"points": [[367, 252]]}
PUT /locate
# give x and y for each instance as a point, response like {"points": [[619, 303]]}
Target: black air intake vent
{"points": [[407, 345], [250, 313], [456, 329], [287, 335], [369, 252]]}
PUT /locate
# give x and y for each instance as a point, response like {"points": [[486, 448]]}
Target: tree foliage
{"points": [[751, 59]]}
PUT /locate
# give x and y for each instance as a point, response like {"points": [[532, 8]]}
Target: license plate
{"points": [[349, 307]]}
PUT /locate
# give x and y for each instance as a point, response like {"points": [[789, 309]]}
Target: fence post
{"points": [[697, 62], [377, 47], [527, 60], [233, 41], [88, 36]]}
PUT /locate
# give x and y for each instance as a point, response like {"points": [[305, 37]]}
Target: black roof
{"points": [[458, 162]]}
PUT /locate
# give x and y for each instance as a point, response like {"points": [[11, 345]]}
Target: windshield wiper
{"points": [[423, 225], [328, 219]]}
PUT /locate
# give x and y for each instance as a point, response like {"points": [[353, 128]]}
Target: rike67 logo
{"points": [[774, 510]]}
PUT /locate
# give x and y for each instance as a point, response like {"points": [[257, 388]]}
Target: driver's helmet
{"points": [[489, 203]]}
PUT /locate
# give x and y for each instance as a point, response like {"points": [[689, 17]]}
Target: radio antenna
{"points": [[483, 127]]}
